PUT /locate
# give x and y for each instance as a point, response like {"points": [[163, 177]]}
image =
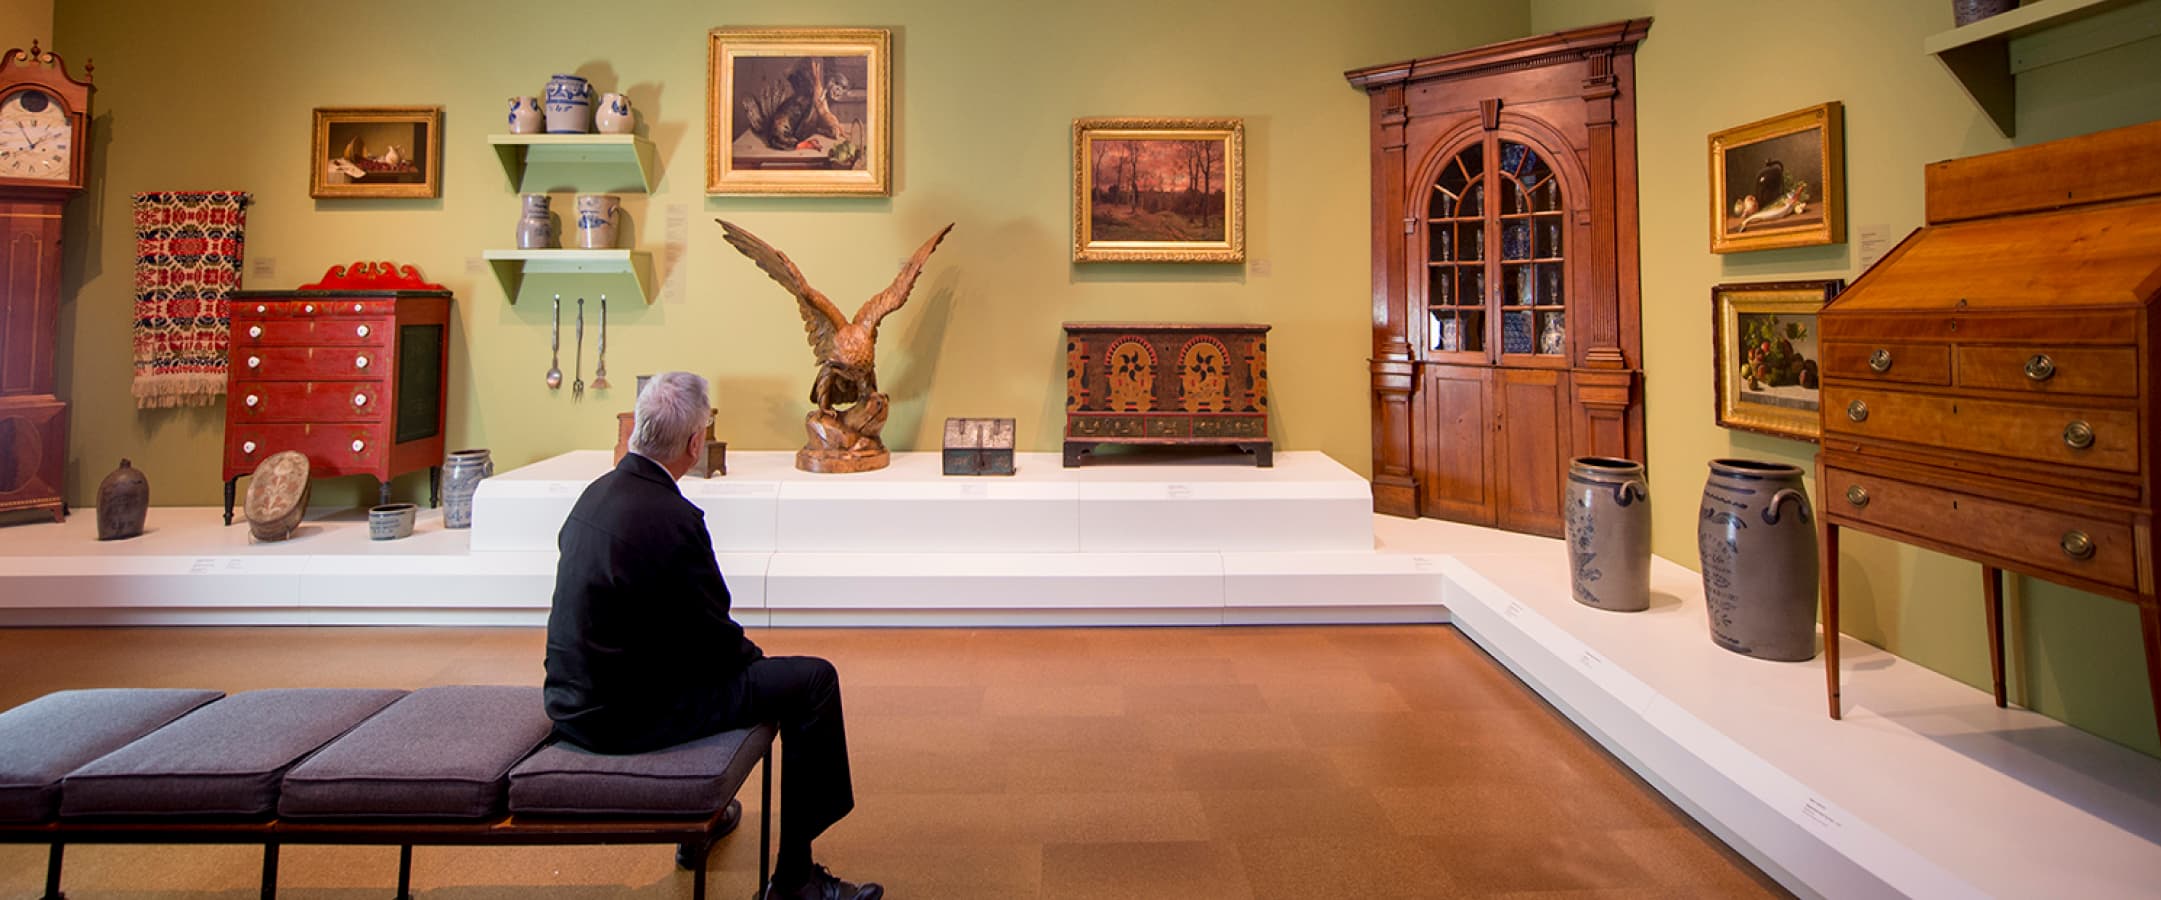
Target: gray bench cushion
{"points": [[223, 760], [46, 738], [693, 779], [440, 752]]}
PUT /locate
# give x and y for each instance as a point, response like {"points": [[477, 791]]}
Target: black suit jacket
{"points": [[641, 651]]}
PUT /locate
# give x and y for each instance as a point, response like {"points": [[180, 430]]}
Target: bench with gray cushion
{"points": [[440, 765]]}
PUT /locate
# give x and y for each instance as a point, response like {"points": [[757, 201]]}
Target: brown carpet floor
{"points": [[1316, 762]]}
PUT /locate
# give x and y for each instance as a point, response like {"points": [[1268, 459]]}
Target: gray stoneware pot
{"points": [[462, 474], [1757, 536], [1608, 511], [123, 503]]}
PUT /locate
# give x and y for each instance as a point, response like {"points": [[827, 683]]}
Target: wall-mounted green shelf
{"points": [[1984, 59], [511, 266], [614, 162]]}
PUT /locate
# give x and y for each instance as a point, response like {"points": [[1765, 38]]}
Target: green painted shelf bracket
{"points": [[511, 266]]}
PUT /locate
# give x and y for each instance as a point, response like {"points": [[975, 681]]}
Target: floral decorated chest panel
{"points": [[1166, 383]]}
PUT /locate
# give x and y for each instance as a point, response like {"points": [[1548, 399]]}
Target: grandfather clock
{"points": [[44, 129]]}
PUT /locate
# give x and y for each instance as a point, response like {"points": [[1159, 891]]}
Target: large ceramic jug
{"points": [[569, 105], [1757, 537], [1607, 509], [123, 503]]}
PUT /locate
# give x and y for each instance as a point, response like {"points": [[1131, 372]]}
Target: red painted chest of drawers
{"points": [[349, 370]]}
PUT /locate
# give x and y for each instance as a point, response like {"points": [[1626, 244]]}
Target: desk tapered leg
{"points": [[2149, 618], [1992, 605], [1829, 574]]}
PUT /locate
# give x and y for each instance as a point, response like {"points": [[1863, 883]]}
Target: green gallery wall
{"points": [[217, 95]]}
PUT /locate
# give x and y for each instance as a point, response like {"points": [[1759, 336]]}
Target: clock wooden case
{"points": [[44, 121], [1506, 336]]}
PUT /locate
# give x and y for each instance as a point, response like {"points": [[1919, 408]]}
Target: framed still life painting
{"points": [[799, 111], [386, 151], [1159, 190], [1768, 364], [1780, 182]]}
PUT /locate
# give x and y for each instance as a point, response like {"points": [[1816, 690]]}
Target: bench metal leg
{"points": [[765, 821], [52, 874], [405, 872], [270, 871]]}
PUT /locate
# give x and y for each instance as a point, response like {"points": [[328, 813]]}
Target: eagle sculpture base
{"points": [[841, 462], [845, 440]]}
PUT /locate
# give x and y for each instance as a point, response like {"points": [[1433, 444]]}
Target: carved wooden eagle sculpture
{"points": [[846, 350]]}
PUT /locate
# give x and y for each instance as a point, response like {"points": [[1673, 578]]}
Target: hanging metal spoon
{"points": [[555, 347], [577, 387], [600, 365]]}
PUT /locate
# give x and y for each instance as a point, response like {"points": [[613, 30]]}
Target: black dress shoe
{"points": [[691, 857], [823, 886]]}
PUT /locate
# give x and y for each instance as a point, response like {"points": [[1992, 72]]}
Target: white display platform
{"points": [[1191, 542], [1306, 502], [1924, 789]]}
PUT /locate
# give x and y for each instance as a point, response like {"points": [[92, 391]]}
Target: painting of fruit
{"points": [[1768, 364]]}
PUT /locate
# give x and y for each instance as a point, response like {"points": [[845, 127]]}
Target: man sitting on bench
{"points": [[642, 653]]}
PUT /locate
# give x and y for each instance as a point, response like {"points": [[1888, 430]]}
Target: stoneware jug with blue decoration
{"points": [[1607, 514], [1757, 537]]}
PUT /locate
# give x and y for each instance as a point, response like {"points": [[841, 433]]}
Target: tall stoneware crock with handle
{"points": [[1607, 515], [1757, 537]]}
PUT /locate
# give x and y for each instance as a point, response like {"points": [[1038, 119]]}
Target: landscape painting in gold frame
{"points": [[799, 111], [1780, 182], [390, 152], [1766, 358], [1159, 190]]}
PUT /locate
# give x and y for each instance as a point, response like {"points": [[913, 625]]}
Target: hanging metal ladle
{"points": [[555, 347], [600, 366], [577, 387]]}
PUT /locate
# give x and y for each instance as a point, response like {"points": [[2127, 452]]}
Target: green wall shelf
{"points": [[511, 266], [613, 162], [1987, 56]]}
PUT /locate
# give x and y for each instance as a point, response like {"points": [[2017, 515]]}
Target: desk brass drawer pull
{"points": [[2078, 435], [1857, 495], [2077, 545], [1857, 411], [2040, 367], [1879, 362]]}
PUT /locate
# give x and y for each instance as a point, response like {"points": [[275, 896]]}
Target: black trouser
{"points": [[802, 693]]}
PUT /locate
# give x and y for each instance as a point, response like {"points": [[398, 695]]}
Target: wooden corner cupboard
{"points": [[349, 370], [1989, 388], [1506, 330]]}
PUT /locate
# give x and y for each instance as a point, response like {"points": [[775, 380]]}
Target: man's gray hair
{"points": [[672, 407]]}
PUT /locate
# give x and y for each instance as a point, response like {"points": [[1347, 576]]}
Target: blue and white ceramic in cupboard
{"points": [[597, 214], [534, 229], [525, 115], [613, 115], [569, 106]]}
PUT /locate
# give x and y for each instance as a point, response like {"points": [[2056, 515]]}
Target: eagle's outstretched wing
{"points": [[890, 299], [821, 319]]}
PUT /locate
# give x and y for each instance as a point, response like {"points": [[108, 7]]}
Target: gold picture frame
{"points": [[388, 152], [1766, 358], [799, 112], [1159, 190], [1791, 189]]}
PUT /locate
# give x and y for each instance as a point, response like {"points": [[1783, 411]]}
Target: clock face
{"points": [[37, 137]]}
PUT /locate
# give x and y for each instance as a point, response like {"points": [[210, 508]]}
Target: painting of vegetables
{"points": [[1768, 364], [1779, 182]]}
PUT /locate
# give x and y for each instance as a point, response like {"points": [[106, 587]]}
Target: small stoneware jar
{"points": [[123, 503], [391, 521], [613, 115], [534, 230], [525, 116], [569, 105], [597, 215]]}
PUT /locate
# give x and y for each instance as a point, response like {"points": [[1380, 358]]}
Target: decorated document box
{"points": [[978, 447]]}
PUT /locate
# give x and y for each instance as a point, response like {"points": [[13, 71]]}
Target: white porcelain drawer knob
{"points": [[255, 362], [360, 399], [361, 331], [360, 362], [255, 331], [359, 446], [261, 308], [247, 446], [252, 400], [356, 307], [308, 308]]}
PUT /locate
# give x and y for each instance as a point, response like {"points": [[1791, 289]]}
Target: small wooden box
{"points": [[978, 447]]}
